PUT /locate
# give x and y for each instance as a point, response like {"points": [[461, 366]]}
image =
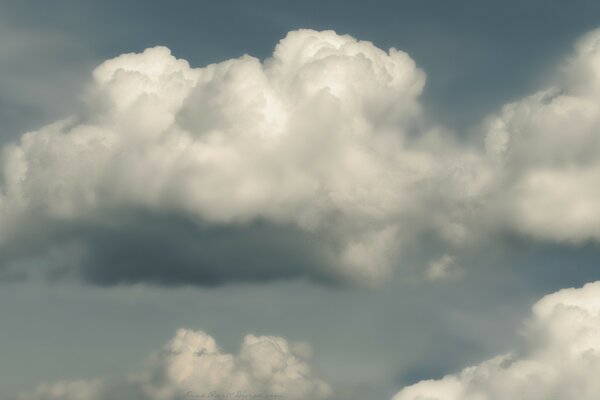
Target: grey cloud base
{"points": [[169, 250], [314, 163]]}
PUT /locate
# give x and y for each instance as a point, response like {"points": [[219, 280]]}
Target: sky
{"points": [[317, 200]]}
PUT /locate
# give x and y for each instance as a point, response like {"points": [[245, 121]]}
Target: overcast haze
{"points": [[314, 200]]}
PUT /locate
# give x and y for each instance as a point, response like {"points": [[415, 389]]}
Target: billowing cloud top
{"points": [[314, 162], [560, 361], [191, 366], [549, 148]]}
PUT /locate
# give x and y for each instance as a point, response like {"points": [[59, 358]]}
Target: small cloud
{"points": [[192, 366], [442, 268]]}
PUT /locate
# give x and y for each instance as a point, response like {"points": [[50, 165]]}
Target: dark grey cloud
{"points": [[168, 250]]}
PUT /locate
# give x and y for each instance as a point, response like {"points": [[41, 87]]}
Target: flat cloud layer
{"points": [[191, 366], [561, 359], [312, 163]]}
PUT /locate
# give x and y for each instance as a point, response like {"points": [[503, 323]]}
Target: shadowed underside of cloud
{"points": [[192, 366], [560, 360], [314, 163], [169, 250]]}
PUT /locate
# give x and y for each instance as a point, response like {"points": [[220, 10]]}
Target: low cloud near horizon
{"points": [[192, 366], [559, 359], [316, 163]]}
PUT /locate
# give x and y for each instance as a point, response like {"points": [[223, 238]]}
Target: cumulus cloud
{"points": [[560, 360], [315, 162], [545, 151], [192, 366], [313, 142]]}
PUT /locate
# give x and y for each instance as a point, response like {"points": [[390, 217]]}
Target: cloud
{"points": [[313, 142], [545, 150], [560, 359], [442, 268], [316, 162], [192, 366]]}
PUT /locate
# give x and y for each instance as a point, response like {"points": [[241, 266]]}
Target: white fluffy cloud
{"points": [[561, 359], [315, 137], [545, 150], [192, 366], [323, 139]]}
